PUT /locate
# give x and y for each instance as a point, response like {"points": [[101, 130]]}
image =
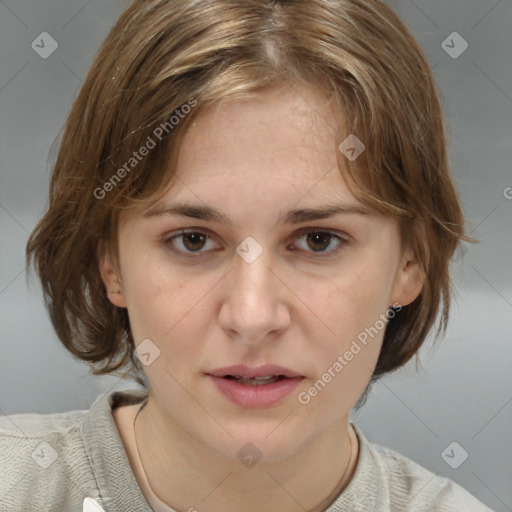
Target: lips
{"points": [[259, 371], [251, 394]]}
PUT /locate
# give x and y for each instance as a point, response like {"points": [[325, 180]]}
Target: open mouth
{"points": [[256, 392], [255, 381]]}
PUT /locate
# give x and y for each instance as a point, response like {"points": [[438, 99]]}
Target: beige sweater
{"points": [[52, 462]]}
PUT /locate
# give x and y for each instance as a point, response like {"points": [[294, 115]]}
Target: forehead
{"points": [[279, 132], [275, 153]]}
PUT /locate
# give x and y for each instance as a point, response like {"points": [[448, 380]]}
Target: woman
{"points": [[251, 214]]}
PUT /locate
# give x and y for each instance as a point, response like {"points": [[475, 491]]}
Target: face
{"points": [[256, 288]]}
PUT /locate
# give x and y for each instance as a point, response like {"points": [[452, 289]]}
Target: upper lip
{"points": [[241, 370]]}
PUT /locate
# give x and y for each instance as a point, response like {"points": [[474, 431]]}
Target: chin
{"points": [[263, 443]]}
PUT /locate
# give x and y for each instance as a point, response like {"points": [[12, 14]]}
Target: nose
{"points": [[254, 305]]}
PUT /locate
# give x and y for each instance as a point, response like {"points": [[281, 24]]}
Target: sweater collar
{"points": [[119, 489]]}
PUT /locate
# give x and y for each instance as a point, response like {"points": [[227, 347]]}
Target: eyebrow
{"points": [[291, 217]]}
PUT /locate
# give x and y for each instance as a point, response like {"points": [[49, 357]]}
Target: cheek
{"points": [[152, 295], [155, 305], [169, 308], [346, 356], [357, 299], [351, 306]]}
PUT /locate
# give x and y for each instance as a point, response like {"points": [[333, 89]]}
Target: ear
{"points": [[109, 275], [409, 280]]}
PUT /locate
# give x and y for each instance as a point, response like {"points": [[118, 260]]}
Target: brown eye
{"points": [[193, 241], [188, 242], [317, 241]]}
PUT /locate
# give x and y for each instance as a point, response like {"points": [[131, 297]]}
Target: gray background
{"points": [[463, 393]]}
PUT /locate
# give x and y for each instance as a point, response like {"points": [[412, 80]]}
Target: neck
{"points": [[198, 477]]}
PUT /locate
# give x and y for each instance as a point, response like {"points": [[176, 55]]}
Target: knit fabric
{"points": [[52, 462]]}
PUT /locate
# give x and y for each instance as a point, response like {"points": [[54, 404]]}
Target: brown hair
{"points": [[164, 60]]}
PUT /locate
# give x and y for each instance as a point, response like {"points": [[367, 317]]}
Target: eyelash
{"points": [[305, 231]]}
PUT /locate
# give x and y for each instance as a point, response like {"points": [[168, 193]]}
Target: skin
{"points": [[255, 160]]}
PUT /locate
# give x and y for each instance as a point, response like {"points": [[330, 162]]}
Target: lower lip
{"points": [[259, 396]]}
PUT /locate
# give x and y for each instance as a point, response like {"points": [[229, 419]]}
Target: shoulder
{"points": [[410, 486], [42, 461]]}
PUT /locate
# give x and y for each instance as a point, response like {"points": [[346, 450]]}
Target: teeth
{"points": [[256, 381]]}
